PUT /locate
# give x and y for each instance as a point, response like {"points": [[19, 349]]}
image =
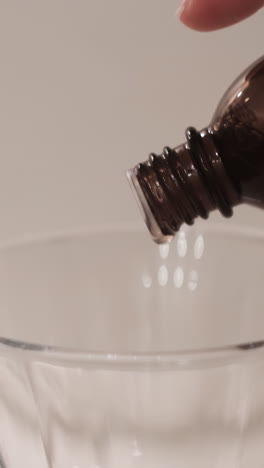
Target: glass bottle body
{"points": [[217, 168]]}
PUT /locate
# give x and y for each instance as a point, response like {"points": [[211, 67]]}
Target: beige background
{"points": [[87, 89]]}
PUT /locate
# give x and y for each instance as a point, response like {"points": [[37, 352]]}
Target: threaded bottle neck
{"points": [[182, 184]]}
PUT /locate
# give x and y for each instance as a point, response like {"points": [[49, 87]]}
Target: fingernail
{"points": [[181, 8]]}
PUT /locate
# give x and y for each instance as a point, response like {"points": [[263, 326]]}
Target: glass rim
{"points": [[179, 359]]}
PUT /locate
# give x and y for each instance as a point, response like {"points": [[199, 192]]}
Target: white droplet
{"points": [[111, 357], [164, 250], [146, 280], [182, 244], [178, 277], [193, 280], [163, 275], [136, 452], [199, 247]]}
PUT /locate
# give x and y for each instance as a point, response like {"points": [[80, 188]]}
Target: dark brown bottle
{"points": [[217, 168]]}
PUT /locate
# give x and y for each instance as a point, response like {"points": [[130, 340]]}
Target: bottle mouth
{"points": [[156, 233], [181, 184]]}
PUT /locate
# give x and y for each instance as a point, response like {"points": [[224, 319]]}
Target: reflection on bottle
{"points": [[163, 275], [199, 247], [178, 277], [182, 244], [146, 280], [193, 280], [164, 250]]}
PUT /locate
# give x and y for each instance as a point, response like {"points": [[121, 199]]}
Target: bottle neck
{"points": [[182, 184]]}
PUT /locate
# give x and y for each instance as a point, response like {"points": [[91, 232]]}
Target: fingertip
{"points": [[208, 15]]}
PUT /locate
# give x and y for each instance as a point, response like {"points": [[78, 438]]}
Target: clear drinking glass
{"points": [[117, 353]]}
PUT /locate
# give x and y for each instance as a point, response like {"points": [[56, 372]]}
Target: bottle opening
{"points": [[151, 223]]}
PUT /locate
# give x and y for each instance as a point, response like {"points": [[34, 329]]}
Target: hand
{"points": [[207, 15]]}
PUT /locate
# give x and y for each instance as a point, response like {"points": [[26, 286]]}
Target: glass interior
{"points": [[115, 291]]}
